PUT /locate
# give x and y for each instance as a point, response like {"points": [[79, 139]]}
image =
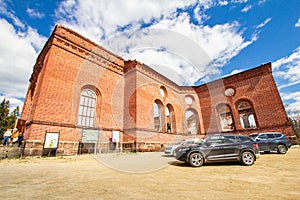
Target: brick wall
{"points": [[258, 87], [126, 92]]}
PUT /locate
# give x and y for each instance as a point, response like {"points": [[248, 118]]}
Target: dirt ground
{"points": [[273, 176]]}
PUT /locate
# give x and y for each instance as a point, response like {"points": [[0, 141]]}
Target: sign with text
{"points": [[90, 136], [51, 140], [116, 136]]}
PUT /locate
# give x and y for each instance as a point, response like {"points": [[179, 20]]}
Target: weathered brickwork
{"points": [[126, 92]]}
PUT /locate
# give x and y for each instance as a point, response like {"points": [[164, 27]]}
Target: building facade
{"points": [[78, 87]]}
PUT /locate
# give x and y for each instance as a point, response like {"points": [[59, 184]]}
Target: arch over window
{"points": [[170, 119], [158, 113], [225, 117], [163, 92], [87, 107], [246, 114], [192, 121]]}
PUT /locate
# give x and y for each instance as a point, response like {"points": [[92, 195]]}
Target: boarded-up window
{"points": [[225, 117], [246, 114], [158, 109]]}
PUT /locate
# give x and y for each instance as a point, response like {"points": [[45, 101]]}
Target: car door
{"points": [[272, 142], [213, 148], [263, 142], [231, 147]]}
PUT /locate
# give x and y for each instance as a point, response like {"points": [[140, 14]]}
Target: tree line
{"points": [[7, 118]]}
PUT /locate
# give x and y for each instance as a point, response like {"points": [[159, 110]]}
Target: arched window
{"points": [[225, 117], [163, 92], [158, 110], [246, 114], [170, 119], [192, 122], [87, 107]]}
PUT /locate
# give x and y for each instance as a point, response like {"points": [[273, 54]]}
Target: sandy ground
{"points": [[106, 176]]}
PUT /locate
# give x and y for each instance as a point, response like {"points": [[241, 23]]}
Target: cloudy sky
{"points": [[191, 42]]}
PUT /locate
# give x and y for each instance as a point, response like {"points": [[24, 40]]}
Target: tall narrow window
{"points": [[158, 115], [192, 122], [87, 107], [246, 114], [225, 117], [170, 119]]}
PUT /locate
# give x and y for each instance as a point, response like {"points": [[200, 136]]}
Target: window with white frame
{"points": [[87, 107]]}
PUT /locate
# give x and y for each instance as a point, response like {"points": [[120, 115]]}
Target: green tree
{"points": [[7, 120], [295, 121]]}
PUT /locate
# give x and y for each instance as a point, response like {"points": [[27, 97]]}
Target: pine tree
{"points": [[7, 120]]}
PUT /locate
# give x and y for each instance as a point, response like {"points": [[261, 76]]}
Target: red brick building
{"points": [[77, 86]]}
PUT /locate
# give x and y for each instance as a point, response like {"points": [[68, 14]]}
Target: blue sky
{"points": [[191, 42]]}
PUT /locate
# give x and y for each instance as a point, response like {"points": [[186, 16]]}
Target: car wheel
{"points": [[248, 158], [281, 149], [196, 160]]}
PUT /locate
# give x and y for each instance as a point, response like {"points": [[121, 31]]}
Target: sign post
{"points": [[90, 136], [50, 144], [116, 138]]}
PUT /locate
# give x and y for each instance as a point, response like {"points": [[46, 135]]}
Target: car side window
{"points": [[215, 140], [231, 139], [262, 137], [270, 136], [244, 139], [277, 135]]}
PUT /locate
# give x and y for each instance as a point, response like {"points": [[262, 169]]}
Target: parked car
{"points": [[268, 142], [169, 151], [220, 148]]}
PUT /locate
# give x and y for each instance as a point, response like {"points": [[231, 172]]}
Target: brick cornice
{"points": [[152, 74], [76, 44], [262, 70]]}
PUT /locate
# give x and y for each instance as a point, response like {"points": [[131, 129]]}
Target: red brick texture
{"points": [[126, 92]]}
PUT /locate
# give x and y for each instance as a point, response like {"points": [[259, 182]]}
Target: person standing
{"points": [[20, 139], [6, 136]]}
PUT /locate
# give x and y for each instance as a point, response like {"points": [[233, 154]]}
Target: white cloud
{"points": [[239, 1], [10, 15], [34, 13], [262, 2], [298, 23], [223, 3], [105, 17], [295, 99], [220, 42], [236, 71], [264, 23], [288, 68], [247, 8], [13, 102], [18, 52]]}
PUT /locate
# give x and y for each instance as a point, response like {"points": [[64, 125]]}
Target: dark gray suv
{"points": [[268, 142], [220, 148]]}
